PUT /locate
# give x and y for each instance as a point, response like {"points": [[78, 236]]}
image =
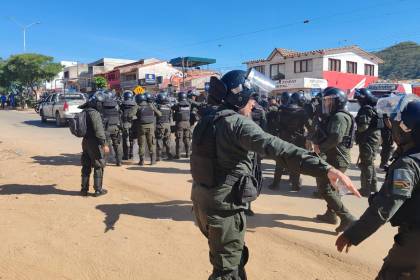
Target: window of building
{"points": [[334, 65], [369, 70], [303, 66], [277, 71], [260, 68], [130, 77], [351, 67], [66, 75]]}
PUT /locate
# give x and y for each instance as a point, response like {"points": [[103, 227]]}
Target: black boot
{"points": [[130, 153], [187, 152], [152, 159], [158, 156], [85, 186], [276, 182], [97, 184], [329, 217], [141, 162]]}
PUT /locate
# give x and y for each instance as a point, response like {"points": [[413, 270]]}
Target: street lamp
{"points": [[24, 28]]}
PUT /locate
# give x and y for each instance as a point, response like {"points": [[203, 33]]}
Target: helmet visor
{"points": [[328, 104], [260, 82]]}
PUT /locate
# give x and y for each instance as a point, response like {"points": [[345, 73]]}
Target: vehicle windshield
{"points": [[70, 97]]}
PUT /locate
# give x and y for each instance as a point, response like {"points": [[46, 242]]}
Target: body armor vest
{"points": [[110, 113], [126, 107], [145, 114], [183, 112], [166, 114]]}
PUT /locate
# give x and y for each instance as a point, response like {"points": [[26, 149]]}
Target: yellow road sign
{"points": [[139, 90]]}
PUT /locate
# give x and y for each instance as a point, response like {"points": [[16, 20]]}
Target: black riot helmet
{"points": [[298, 98], [285, 98], [128, 95], [410, 117], [333, 99], [162, 98], [149, 97], [217, 91], [95, 101], [141, 98], [240, 85], [182, 96], [365, 97]]}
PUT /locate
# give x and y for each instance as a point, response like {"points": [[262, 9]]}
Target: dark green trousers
{"points": [[146, 134], [367, 153], [403, 260]]}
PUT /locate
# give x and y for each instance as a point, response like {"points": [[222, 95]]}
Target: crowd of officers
{"points": [[321, 132]]}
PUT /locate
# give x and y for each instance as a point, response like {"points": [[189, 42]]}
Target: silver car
{"points": [[61, 107]]}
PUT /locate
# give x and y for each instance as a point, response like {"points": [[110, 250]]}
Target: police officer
{"points": [[271, 115], [146, 117], [335, 147], [293, 121], [258, 113], [128, 113], [94, 146], [182, 114], [163, 127], [112, 123], [368, 136], [387, 143], [223, 182], [398, 202]]}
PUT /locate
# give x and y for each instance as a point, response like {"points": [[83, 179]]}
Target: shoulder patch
{"points": [[402, 182]]}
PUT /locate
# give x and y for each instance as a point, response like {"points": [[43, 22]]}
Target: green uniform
{"points": [[218, 216], [182, 116], [398, 201], [146, 115], [128, 113], [387, 144], [163, 131], [337, 153], [271, 120], [93, 154], [368, 137]]}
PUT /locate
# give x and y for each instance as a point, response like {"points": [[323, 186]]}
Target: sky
{"points": [[230, 31]]}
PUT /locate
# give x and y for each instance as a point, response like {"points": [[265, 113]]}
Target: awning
{"points": [[190, 61]]}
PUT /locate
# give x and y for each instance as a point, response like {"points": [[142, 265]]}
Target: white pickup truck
{"points": [[61, 107]]}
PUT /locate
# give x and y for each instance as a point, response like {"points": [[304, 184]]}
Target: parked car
{"points": [[61, 107]]}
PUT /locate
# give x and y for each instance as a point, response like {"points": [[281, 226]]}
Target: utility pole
{"points": [[24, 28]]}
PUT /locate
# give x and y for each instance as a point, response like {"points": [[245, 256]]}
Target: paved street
{"points": [[144, 225]]}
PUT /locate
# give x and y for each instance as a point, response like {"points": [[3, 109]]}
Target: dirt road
{"points": [[143, 229]]}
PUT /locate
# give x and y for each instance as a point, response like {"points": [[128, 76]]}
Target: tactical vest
{"points": [[126, 107], [110, 113], [348, 139], [377, 121], [166, 114], [203, 161], [145, 114], [409, 212], [292, 121], [183, 112], [257, 116]]}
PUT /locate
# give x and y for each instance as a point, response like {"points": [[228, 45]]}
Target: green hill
{"points": [[401, 61]]}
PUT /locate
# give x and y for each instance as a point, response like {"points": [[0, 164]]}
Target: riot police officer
{"points": [[182, 115], [258, 113], [128, 113], [368, 135], [112, 123], [163, 127], [387, 143], [94, 146], [398, 201], [222, 171], [335, 145], [146, 117], [271, 115], [293, 121]]}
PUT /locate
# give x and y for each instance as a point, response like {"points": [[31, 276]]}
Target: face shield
{"points": [[259, 83], [328, 104]]}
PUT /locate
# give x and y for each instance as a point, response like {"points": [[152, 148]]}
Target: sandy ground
{"points": [[144, 229]]}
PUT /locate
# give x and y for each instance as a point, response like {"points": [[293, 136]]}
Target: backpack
{"points": [[78, 125]]}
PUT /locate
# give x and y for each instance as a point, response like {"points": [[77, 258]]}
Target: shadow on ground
{"points": [[15, 189], [63, 159], [40, 124], [156, 169], [180, 210]]}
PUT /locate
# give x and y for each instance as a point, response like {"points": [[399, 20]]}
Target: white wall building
{"points": [[57, 82]]}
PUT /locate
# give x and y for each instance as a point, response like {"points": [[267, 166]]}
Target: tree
{"points": [[30, 70], [101, 82]]}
